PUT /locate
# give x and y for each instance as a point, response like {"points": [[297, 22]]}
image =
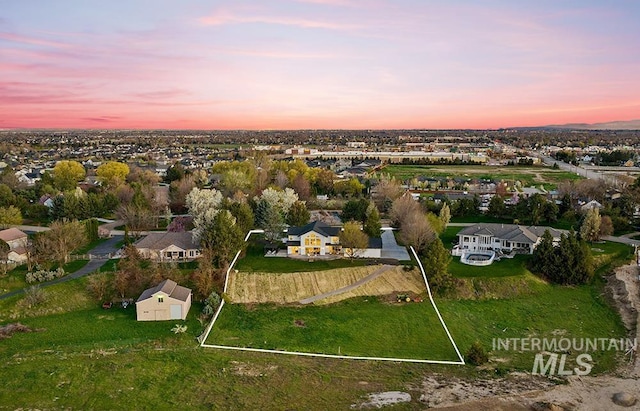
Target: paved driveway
{"points": [[390, 248]]}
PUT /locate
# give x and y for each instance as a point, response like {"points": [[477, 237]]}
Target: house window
{"points": [[312, 239], [160, 299]]}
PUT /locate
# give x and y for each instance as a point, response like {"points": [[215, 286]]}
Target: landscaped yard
{"points": [[15, 279], [507, 267], [255, 261]]}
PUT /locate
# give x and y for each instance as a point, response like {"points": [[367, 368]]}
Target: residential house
{"points": [[319, 238], [46, 200], [315, 238], [502, 237], [17, 241], [165, 301], [593, 204], [168, 246]]}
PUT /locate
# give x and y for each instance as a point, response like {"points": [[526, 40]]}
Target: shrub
{"points": [[34, 295], [44, 275], [211, 304], [179, 329], [476, 354]]}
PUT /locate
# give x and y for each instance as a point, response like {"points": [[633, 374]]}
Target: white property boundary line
{"points": [[433, 303], [343, 357]]}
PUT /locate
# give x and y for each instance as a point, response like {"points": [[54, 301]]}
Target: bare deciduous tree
{"points": [[416, 230], [402, 208]]}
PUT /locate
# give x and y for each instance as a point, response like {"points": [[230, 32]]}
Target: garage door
{"points": [[176, 311]]}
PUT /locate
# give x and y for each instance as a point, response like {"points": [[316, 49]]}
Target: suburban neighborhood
{"points": [[236, 252]]}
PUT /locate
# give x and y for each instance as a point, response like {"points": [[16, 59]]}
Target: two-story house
{"points": [[315, 238], [502, 237]]}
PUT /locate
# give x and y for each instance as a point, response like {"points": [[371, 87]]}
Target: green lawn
{"points": [[527, 175], [15, 279], [507, 267], [554, 311], [94, 328], [83, 357], [356, 327], [255, 261]]}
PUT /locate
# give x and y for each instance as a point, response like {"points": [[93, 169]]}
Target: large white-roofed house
{"points": [[505, 238]]}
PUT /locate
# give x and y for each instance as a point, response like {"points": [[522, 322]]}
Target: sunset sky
{"points": [[309, 64]]}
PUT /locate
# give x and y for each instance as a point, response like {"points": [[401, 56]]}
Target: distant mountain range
{"points": [[612, 125]]}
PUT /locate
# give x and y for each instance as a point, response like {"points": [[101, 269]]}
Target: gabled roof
{"points": [[162, 240], [317, 226], [170, 288], [11, 234]]}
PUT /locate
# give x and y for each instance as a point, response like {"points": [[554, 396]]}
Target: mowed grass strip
{"points": [[528, 175], [363, 326], [292, 287], [506, 267], [255, 261]]}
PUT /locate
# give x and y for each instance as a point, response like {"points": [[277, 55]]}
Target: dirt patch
{"points": [[438, 391], [623, 291], [383, 399], [250, 370], [6, 331]]}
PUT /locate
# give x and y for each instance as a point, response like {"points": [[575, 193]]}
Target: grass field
{"points": [[83, 357], [361, 326], [255, 261], [527, 175], [15, 279]]}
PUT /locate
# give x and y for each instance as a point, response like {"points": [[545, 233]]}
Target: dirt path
{"points": [[350, 287]]}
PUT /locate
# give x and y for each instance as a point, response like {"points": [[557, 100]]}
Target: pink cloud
{"points": [[17, 38], [222, 18]]}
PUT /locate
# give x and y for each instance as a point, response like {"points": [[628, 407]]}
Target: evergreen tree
{"points": [[223, 237], [262, 211], [273, 225], [372, 226], [568, 263], [243, 214], [544, 255], [298, 214], [435, 260], [355, 210]]}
